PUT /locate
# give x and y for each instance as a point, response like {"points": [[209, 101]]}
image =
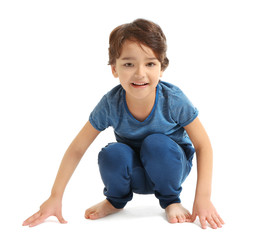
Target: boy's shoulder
{"points": [[114, 95], [115, 90], [169, 89]]}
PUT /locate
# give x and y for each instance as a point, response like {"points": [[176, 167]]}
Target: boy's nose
{"points": [[140, 73], [137, 76]]}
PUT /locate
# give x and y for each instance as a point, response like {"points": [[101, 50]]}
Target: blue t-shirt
{"points": [[171, 112]]}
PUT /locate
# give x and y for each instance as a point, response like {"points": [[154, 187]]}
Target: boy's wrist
{"points": [[203, 190], [56, 195], [202, 196]]}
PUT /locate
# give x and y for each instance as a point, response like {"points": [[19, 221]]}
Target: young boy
{"points": [[155, 125]]}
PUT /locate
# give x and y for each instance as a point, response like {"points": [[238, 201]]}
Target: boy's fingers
{"points": [[212, 222], [38, 221], [203, 222], [220, 219], [31, 219], [61, 219], [217, 221]]}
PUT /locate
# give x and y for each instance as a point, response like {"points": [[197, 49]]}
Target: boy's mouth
{"points": [[139, 84]]}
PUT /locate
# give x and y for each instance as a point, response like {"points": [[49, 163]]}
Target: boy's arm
{"points": [[73, 155], [203, 208]]}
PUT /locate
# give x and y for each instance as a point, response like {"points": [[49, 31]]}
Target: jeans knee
{"points": [[115, 155], [160, 146]]}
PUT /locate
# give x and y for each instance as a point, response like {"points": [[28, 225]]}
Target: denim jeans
{"points": [[160, 166]]}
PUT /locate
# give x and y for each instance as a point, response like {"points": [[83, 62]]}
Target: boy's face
{"points": [[138, 70]]}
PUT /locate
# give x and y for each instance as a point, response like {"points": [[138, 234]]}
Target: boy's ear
{"points": [[114, 72]]}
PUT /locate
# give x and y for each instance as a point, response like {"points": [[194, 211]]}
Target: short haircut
{"points": [[143, 32]]}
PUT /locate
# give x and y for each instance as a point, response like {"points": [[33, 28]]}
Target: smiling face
{"points": [[138, 70]]}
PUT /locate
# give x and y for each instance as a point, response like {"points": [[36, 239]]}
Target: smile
{"points": [[139, 84]]}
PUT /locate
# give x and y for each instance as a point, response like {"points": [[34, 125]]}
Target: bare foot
{"points": [[100, 210], [176, 213]]}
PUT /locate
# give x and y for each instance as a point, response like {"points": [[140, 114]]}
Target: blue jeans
{"points": [[160, 166]]}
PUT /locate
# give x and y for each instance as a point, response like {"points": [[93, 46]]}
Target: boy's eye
{"points": [[151, 64], [128, 64]]}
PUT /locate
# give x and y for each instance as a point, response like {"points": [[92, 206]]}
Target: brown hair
{"points": [[143, 32]]}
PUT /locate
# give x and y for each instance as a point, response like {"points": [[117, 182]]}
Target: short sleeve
{"points": [[99, 117], [183, 111]]}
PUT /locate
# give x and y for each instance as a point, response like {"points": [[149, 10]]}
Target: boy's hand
{"points": [[51, 207], [205, 210]]}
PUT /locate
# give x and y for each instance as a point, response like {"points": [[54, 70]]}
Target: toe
{"points": [[94, 216], [188, 217], [181, 219], [173, 220], [88, 213]]}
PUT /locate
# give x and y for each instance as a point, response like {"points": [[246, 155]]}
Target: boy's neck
{"points": [[141, 103], [140, 108]]}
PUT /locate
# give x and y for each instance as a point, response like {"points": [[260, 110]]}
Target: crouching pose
{"points": [[157, 132]]}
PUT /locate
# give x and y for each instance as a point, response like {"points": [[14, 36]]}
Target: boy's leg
{"points": [[115, 164], [166, 165]]}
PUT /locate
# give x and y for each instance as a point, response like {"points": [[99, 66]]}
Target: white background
{"points": [[53, 71]]}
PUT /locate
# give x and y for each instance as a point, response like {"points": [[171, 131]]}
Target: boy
{"points": [[154, 124]]}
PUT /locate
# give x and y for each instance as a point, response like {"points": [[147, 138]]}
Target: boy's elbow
{"points": [[75, 151], [204, 148]]}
